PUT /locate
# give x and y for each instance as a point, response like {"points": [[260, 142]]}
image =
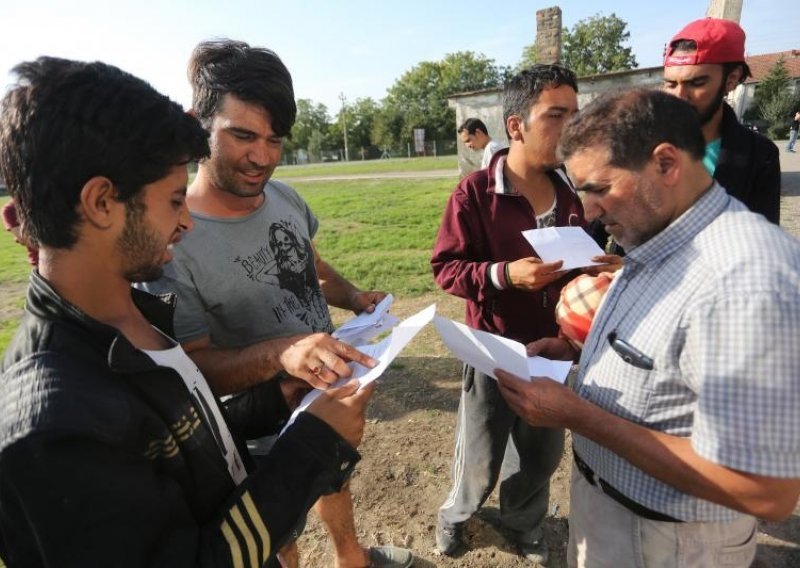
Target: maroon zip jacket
{"points": [[481, 226]]}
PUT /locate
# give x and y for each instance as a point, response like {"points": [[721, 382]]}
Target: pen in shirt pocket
{"points": [[629, 353]]}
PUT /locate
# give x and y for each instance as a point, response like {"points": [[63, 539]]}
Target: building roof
{"points": [[761, 64]]}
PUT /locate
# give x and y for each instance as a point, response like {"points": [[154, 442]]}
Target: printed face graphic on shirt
{"points": [[289, 253], [286, 261]]}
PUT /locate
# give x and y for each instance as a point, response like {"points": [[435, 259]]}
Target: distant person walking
{"points": [[475, 136], [793, 132]]}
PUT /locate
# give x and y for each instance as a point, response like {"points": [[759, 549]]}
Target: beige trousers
{"points": [[604, 534]]}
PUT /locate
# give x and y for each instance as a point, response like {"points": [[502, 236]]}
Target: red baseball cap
{"points": [[718, 41]]}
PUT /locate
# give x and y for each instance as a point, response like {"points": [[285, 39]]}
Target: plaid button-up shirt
{"points": [[714, 301]]}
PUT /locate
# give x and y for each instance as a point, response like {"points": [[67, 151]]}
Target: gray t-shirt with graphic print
{"points": [[242, 280]]}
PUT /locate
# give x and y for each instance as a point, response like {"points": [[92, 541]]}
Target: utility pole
{"points": [[343, 114]]}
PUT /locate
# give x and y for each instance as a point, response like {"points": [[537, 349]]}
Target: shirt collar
{"points": [[500, 186], [683, 229]]}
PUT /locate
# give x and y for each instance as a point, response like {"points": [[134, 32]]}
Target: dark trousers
{"points": [[484, 451]]}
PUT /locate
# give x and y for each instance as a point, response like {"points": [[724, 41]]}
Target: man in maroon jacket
{"points": [[480, 255]]}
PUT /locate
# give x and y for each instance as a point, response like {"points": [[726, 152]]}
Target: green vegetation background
{"points": [[376, 232]]}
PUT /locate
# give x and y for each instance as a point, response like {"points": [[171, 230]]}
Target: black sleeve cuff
{"points": [[337, 456], [258, 411]]}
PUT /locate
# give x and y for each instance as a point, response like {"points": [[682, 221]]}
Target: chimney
{"points": [[725, 9], [548, 35]]}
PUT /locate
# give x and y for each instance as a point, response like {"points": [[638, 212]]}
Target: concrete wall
{"points": [[591, 86]]}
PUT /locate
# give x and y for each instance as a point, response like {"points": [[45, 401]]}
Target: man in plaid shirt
{"points": [[684, 412]]}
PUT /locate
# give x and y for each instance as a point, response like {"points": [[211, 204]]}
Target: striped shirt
{"points": [[714, 301]]}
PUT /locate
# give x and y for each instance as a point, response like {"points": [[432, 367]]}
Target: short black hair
{"points": [[522, 91], [252, 74], [631, 124], [471, 125], [64, 122]]}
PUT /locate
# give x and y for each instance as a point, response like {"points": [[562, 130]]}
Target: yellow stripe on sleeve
{"points": [[258, 523], [252, 550], [233, 544]]}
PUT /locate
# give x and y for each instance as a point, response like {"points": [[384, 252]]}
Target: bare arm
{"points": [[340, 292], [668, 458], [318, 359]]}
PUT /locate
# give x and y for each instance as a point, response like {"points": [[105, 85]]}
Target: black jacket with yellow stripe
{"points": [[104, 460]]}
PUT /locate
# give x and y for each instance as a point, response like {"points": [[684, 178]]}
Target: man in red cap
{"points": [[702, 64]]}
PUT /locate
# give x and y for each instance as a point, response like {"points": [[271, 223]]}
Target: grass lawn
{"points": [[370, 167], [377, 233], [14, 270]]}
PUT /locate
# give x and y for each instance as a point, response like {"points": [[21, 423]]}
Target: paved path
{"points": [[790, 190]]}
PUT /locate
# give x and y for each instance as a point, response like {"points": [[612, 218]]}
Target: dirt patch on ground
{"points": [[404, 474]]}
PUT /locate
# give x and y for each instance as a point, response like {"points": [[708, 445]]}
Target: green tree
{"points": [[316, 142], [529, 56], [387, 129], [310, 118], [360, 117], [774, 83], [419, 97], [773, 101], [594, 45]]}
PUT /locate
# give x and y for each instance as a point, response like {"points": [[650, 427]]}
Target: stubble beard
{"points": [[648, 203], [706, 115], [140, 246], [224, 178]]}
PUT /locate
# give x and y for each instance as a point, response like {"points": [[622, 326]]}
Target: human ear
{"points": [[666, 158], [514, 127], [98, 202]]}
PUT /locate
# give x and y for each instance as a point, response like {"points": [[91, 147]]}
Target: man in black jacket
{"points": [[704, 62], [113, 450]]}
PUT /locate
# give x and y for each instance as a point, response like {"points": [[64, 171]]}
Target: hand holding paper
{"points": [[538, 401], [365, 326], [532, 274], [384, 351]]}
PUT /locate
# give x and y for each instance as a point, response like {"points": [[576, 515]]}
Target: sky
{"points": [[336, 48]]}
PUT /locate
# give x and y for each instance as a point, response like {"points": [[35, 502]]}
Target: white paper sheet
{"points": [[487, 352], [550, 368], [573, 245], [365, 326], [484, 351], [384, 351]]}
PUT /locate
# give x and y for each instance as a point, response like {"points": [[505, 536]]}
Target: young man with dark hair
{"points": [[703, 63], [480, 255], [475, 136], [113, 449], [253, 292], [684, 412]]}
